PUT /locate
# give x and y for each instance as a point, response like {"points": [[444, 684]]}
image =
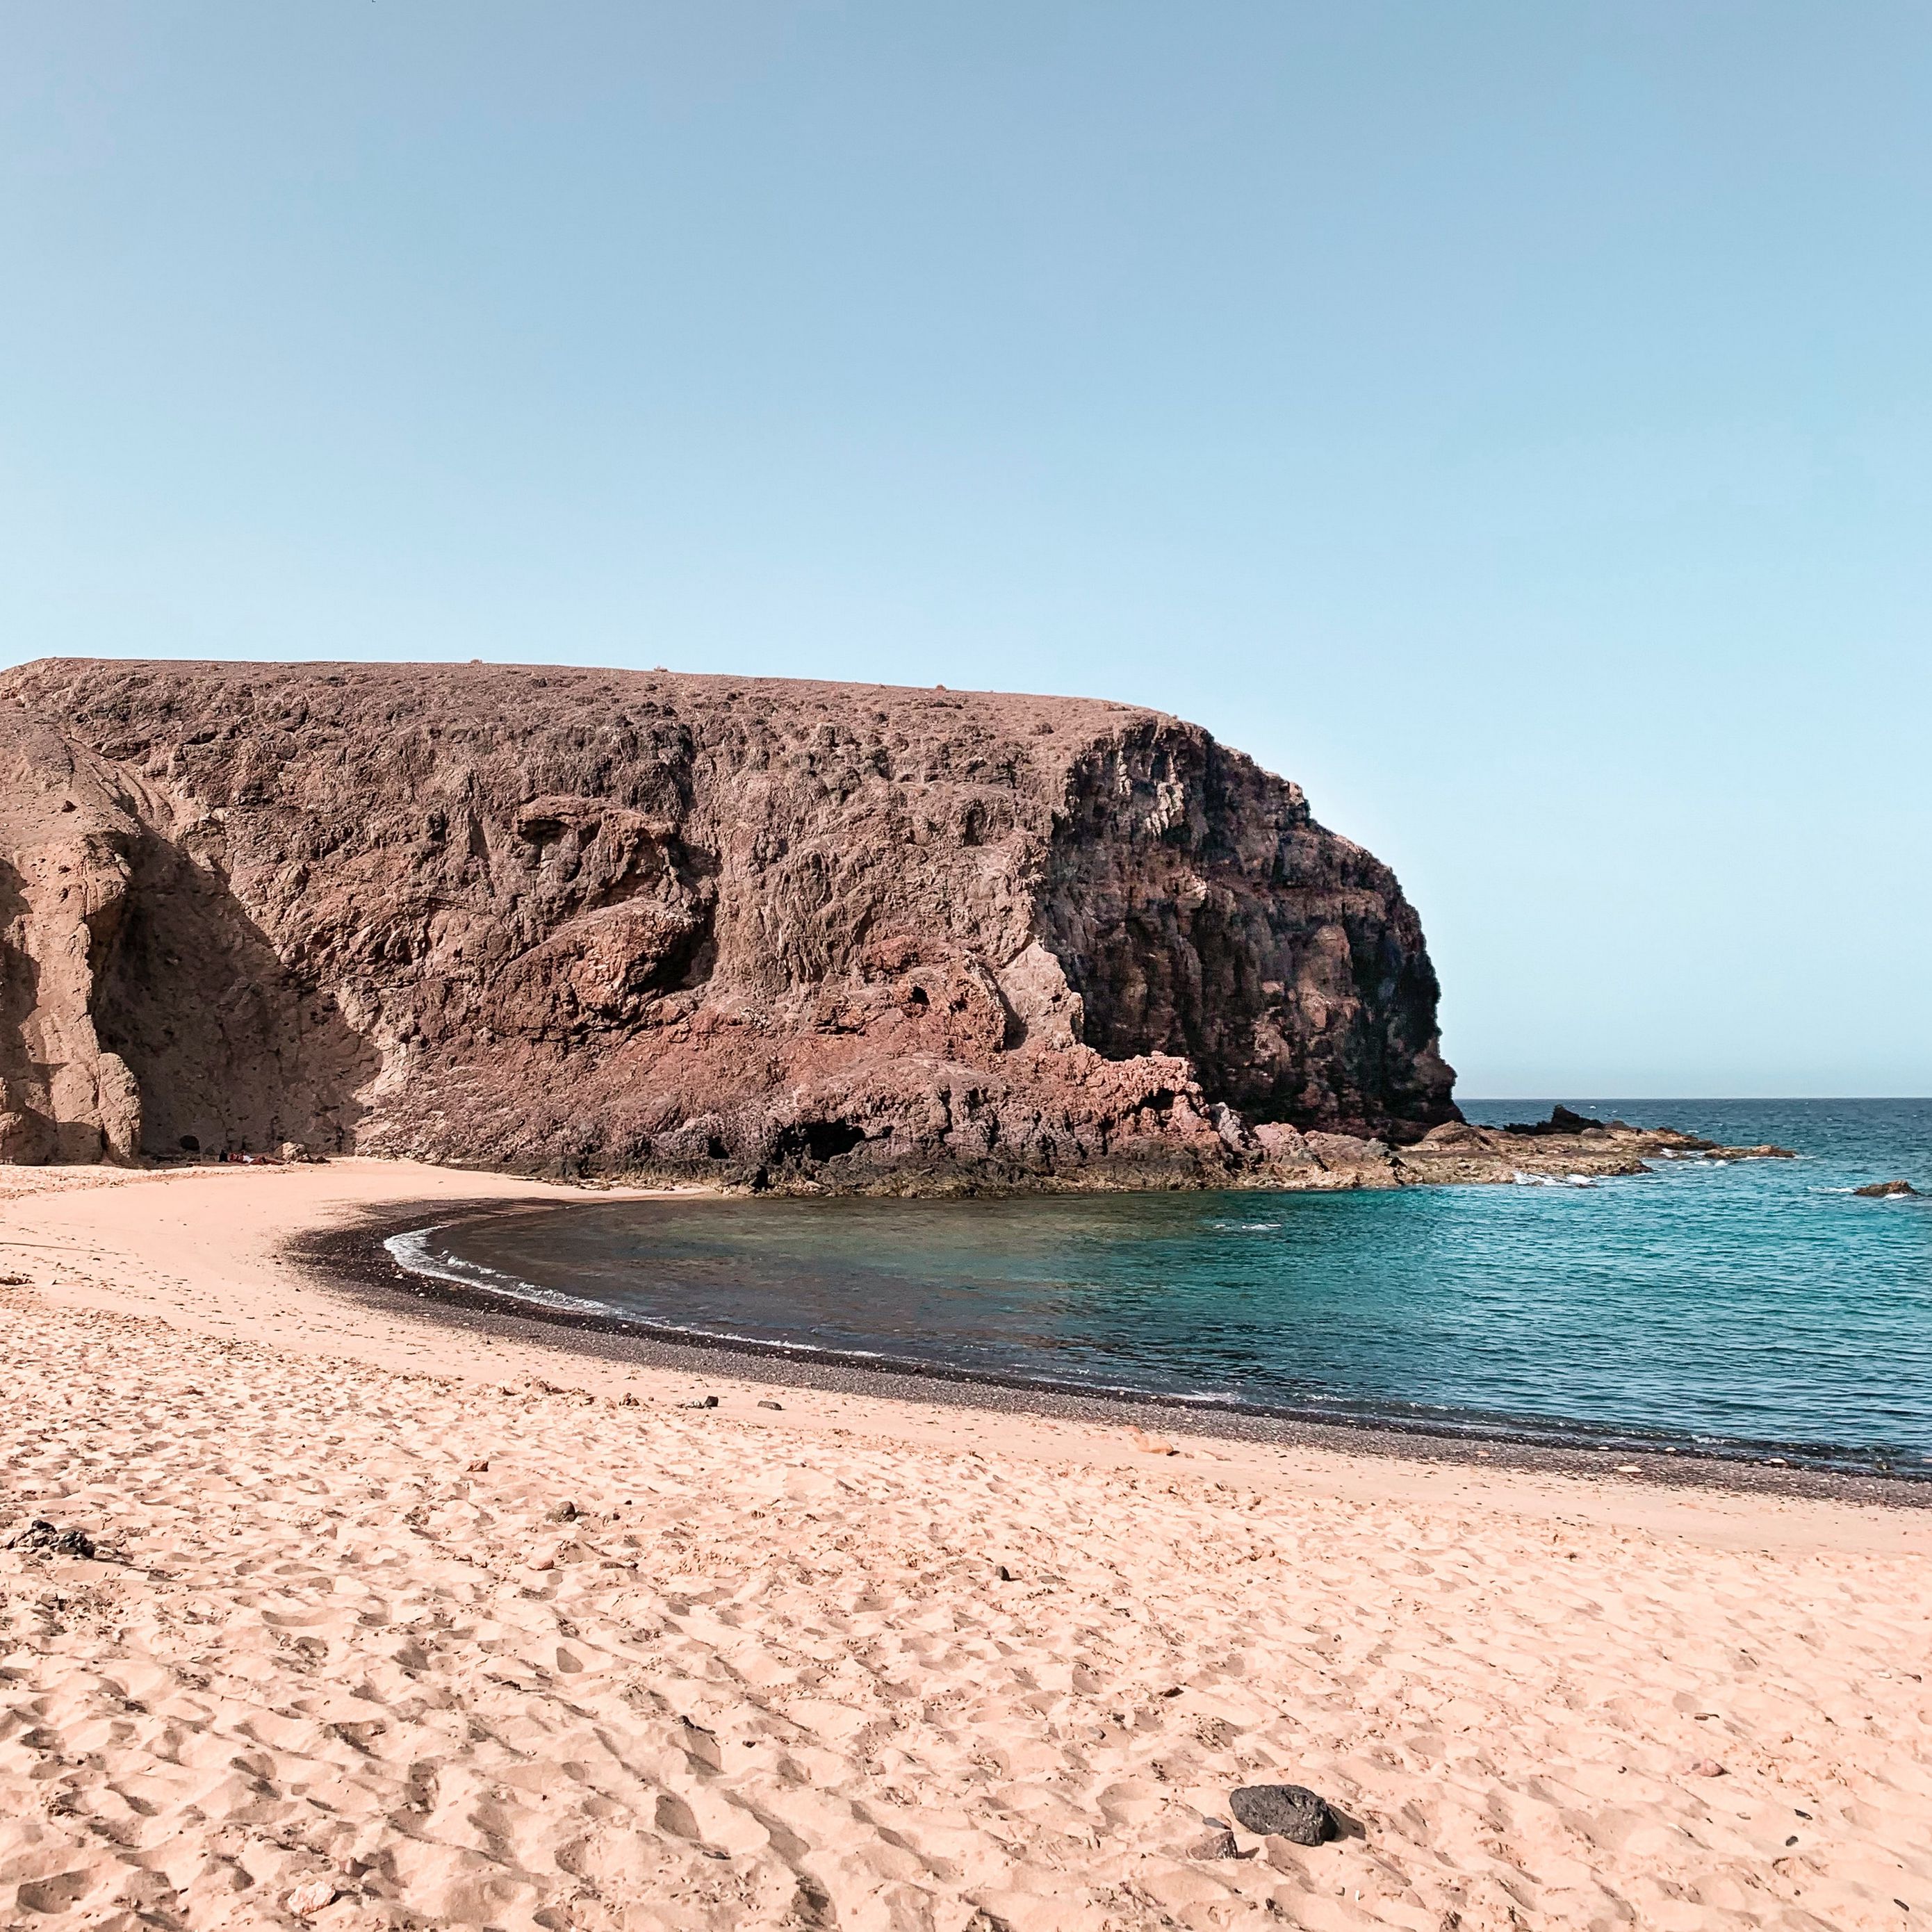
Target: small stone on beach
{"points": [[563, 1512], [1216, 1841], [704, 1401], [1151, 1445], [1290, 1811], [43, 1537], [307, 1899], [771, 1405], [1704, 1767]]}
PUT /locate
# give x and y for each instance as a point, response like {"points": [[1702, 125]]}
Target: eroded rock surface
{"points": [[786, 934]]}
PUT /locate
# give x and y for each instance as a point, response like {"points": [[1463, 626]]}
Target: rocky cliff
{"points": [[780, 933]]}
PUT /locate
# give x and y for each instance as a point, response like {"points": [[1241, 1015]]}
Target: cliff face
{"points": [[786, 933]]}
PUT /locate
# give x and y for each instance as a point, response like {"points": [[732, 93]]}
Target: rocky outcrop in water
{"points": [[762, 931], [1567, 1147]]}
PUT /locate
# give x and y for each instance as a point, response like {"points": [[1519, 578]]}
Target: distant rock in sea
{"points": [[1887, 1190]]}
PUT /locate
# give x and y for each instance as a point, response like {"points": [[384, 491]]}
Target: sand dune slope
{"points": [[770, 1678]]}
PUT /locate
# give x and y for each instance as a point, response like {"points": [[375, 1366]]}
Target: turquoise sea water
{"points": [[1756, 1306]]}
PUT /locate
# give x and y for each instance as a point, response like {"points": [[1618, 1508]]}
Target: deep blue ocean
{"points": [[1756, 1307]]}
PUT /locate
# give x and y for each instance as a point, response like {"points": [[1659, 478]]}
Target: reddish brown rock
{"points": [[64, 1094], [763, 931], [1355, 1162]]}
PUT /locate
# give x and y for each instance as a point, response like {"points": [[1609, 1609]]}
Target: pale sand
{"points": [[769, 1675]]}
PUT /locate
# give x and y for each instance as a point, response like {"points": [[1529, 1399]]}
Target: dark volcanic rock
{"points": [[1562, 1120], [789, 935], [45, 1538], [1886, 1190], [1290, 1811]]}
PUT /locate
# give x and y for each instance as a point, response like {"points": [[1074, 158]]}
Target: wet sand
{"points": [[345, 1657]]}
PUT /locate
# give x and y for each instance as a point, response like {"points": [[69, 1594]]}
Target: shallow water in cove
{"points": [[1757, 1307]]}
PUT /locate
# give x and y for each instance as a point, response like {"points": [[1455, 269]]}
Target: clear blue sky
{"points": [[1513, 421]]}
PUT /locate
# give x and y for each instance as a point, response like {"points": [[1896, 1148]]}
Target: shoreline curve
{"points": [[355, 1258]]}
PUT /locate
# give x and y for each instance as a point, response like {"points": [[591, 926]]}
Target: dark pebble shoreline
{"points": [[353, 1261]]}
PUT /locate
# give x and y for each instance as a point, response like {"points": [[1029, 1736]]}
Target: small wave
{"points": [[730, 1338], [1244, 1227], [412, 1252]]}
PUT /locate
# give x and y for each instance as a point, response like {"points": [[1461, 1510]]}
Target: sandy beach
{"points": [[394, 1622]]}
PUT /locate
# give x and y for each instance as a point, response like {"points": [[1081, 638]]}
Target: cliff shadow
{"points": [[27, 1133], [20, 978], [231, 1051], [1280, 960]]}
